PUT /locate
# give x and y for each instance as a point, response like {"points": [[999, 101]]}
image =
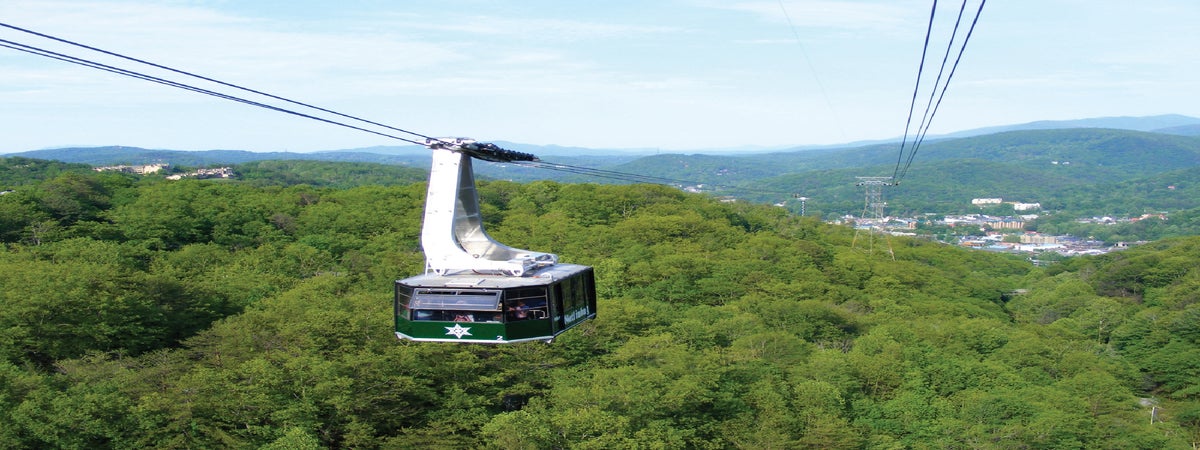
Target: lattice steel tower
{"points": [[873, 205]]}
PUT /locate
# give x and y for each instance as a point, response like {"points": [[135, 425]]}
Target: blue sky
{"points": [[675, 75]]}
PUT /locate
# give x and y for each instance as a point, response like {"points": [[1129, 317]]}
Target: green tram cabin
{"points": [[495, 309], [475, 289]]}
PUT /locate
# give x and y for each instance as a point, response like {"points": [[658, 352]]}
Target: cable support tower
{"points": [[873, 217]]}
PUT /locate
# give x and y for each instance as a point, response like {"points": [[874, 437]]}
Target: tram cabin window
{"points": [[451, 305], [525, 303]]}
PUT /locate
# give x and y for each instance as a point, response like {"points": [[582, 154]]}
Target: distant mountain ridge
{"points": [[1166, 124], [414, 154], [111, 155], [1182, 130], [1086, 165], [1105, 153], [1109, 154]]}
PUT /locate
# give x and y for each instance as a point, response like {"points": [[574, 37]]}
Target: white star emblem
{"points": [[458, 331]]}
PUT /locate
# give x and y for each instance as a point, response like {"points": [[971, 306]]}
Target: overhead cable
{"points": [[926, 117], [186, 87], [579, 170], [925, 129], [182, 72], [812, 69], [916, 87], [927, 120]]}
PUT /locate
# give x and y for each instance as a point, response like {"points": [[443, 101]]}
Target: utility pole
{"points": [[873, 208], [802, 200]]}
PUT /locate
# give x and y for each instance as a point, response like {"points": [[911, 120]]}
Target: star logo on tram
{"points": [[458, 331]]}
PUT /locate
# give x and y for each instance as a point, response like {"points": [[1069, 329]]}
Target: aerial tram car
{"points": [[475, 289]]}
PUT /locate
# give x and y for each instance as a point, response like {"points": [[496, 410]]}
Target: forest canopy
{"points": [[137, 312]]}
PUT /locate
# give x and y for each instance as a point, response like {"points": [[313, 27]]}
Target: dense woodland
{"points": [[143, 313]]}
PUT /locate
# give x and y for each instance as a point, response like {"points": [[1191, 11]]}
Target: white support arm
{"points": [[452, 234]]}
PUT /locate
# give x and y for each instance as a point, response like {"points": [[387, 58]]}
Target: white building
{"points": [[140, 170], [986, 201]]}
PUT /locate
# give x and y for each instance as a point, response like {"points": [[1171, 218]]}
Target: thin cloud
{"points": [[549, 30], [845, 15]]}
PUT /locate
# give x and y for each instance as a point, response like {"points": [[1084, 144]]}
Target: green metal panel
{"points": [[480, 332], [530, 329], [425, 330]]}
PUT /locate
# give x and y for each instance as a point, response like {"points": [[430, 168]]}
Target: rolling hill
{"points": [[1104, 153], [1063, 168]]}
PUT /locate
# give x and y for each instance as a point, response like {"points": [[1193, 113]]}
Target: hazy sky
{"points": [[668, 74]]}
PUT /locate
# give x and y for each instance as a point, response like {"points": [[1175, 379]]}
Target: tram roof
{"points": [[468, 279]]}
